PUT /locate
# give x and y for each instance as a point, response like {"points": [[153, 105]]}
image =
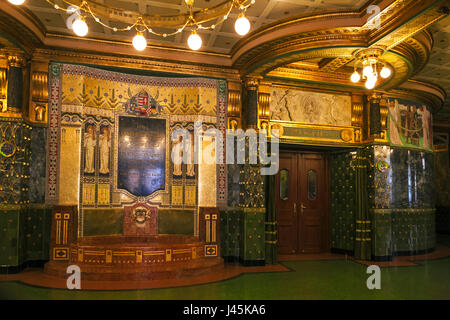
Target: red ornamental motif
{"points": [[142, 101]]}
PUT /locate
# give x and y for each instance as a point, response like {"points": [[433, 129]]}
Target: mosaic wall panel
{"points": [[91, 100], [69, 166], [343, 202], [24, 234], [15, 137], [36, 192]]}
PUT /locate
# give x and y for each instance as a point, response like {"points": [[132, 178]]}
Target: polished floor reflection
{"points": [[324, 279]]}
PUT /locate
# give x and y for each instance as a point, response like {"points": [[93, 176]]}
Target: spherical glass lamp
{"points": [[80, 27], [194, 41], [242, 25], [139, 41]]}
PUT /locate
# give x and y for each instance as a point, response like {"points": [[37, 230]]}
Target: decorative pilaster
{"points": [[209, 224], [63, 232], [264, 106], [363, 223], [375, 128], [251, 105], [234, 109], [3, 89], [15, 84], [39, 96]]}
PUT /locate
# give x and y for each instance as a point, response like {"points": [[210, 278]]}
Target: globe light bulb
{"points": [[16, 2], [80, 27], [367, 70], [385, 72], [194, 41], [370, 83], [242, 25], [355, 77], [139, 42]]}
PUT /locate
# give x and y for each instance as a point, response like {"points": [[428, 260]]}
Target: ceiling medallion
{"points": [[79, 10], [372, 67]]}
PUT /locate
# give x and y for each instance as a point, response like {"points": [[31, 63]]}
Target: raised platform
{"points": [[110, 258]]}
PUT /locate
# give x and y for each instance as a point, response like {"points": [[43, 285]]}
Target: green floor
{"points": [[338, 279]]}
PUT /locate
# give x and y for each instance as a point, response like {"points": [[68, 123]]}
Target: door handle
{"points": [[302, 207], [295, 208]]}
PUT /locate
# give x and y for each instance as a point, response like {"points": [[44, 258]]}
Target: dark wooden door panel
{"points": [[302, 202], [287, 197], [313, 198]]}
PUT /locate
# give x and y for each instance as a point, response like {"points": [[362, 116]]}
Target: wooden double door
{"points": [[302, 203]]}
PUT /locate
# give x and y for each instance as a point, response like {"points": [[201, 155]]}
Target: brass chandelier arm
{"points": [[167, 21]]}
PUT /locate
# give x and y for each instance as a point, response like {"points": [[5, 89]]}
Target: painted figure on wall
{"points": [[177, 154], [190, 170], [89, 148], [409, 124], [426, 124], [394, 114], [105, 145]]}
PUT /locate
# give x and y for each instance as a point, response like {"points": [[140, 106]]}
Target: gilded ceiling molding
{"points": [[428, 93], [392, 14], [23, 28], [404, 52], [155, 20], [405, 60], [144, 63], [430, 12]]}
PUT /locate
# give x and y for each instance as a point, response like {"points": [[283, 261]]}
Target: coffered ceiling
{"points": [[438, 68]]}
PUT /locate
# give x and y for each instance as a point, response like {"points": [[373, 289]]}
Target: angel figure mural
{"points": [[89, 149], [190, 168], [177, 156], [394, 121], [426, 125], [105, 145]]}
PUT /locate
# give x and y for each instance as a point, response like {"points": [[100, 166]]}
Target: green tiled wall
{"points": [[24, 234], [253, 235], [230, 232], [343, 202], [402, 231], [243, 234], [413, 229], [381, 232]]}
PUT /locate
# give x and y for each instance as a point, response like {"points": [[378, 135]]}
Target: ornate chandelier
{"points": [[79, 10], [372, 66]]}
